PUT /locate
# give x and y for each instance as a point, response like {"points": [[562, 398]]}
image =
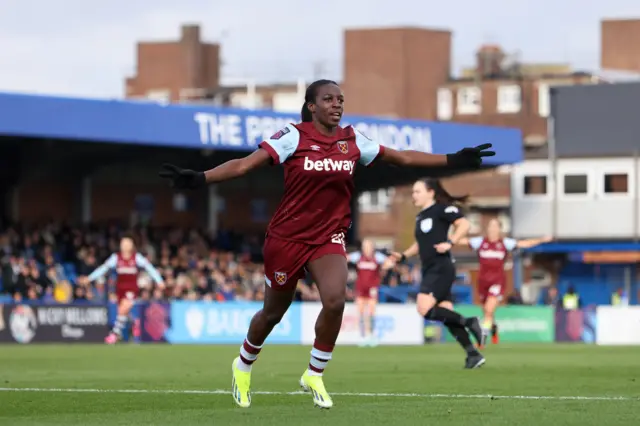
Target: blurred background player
{"points": [[493, 250], [307, 231], [370, 264], [439, 211], [127, 264]]}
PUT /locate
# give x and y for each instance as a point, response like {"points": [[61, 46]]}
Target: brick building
{"points": [[619, 47], [169, 70], [501, 91], [395, 72]]}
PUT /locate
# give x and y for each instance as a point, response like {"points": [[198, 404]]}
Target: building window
{"points": [[616, 183], [575, 184], [376, 201], [535, 185], [509, 99], [544, 100], [445, 104], [469, 100]]}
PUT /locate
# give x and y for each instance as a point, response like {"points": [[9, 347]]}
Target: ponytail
{"points": [[305, 114], [442, 196]]}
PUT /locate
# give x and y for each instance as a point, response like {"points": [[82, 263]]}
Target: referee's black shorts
{"points": [[437, 279]]}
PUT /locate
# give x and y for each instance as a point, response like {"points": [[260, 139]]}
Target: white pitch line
{"points": [[356, 394]]}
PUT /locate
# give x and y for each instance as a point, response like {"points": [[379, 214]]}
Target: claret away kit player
{"points": [[127, 264], [370, 264], [308, 229], [493, 251]]}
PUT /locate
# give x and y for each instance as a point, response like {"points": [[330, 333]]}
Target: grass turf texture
{"points": [[186, 385]]}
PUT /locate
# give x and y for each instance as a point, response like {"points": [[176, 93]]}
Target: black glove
{"points": [[470, 157], [182, 178]]}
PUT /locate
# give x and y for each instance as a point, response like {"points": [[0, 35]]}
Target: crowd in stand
{"points": [[51, 264]]}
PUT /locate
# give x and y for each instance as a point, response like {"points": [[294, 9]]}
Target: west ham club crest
{"points": [[281, 278]]}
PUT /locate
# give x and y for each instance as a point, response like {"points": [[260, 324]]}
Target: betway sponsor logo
{"points": [[492, 254], [329, 165]]}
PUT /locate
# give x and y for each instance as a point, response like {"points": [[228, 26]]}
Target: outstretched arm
{"points": [[412, 158], [532, 242], [144, 263], [276, 150], [467, 157], [238, 167], [103, 269]]}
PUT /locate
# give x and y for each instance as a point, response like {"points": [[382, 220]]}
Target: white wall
{"points": [[594, 214], [531, 215]]}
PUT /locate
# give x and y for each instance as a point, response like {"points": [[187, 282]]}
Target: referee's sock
{"points": [[447, 317], [462, 337]]}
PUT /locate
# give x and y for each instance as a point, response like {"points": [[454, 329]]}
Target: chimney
{"points": [[192, 48], [489, 61], [191, 34]]}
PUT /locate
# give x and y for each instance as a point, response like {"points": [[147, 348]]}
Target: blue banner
{"points": [[197, 126], [226, 323]]}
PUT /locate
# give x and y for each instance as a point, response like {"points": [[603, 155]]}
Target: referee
{"points": [[438, 211]]}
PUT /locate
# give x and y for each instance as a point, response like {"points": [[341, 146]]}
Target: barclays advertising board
{"points": [[198, 126], [226, 323]]}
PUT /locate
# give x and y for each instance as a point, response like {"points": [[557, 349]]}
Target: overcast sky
{"points": [[86, 48]]}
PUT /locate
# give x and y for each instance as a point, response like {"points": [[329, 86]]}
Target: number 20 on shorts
{"points": [[339, 239]]}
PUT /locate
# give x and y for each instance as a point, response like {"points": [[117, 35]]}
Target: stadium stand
{"points": [[50, 264]]}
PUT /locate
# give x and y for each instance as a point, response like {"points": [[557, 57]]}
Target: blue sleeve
{"points": [[475, 242], [353, 257], [380, 258], [142, 262], [510, 244], [102, 270], [283, 144], [369, 150]]}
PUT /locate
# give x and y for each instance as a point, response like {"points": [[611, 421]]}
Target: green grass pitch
{"points": [[187, 385]]}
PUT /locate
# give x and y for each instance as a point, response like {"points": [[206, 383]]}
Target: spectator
{"points": [[51, 264], [571, 300], [552, 298]]}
